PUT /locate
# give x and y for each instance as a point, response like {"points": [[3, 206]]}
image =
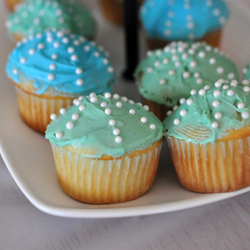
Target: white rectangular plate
{"points": [[29, 158]]}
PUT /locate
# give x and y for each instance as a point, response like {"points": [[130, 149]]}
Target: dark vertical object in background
{"points": [[131, 37]]}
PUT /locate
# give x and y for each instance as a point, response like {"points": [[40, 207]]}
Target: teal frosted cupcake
{"points": [[167, 75], [35, 16], [208, 136], [51, 69], [165, 21], [106, 148]]}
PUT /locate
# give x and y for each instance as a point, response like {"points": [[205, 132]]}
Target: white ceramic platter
{"points": [[29, 159]]}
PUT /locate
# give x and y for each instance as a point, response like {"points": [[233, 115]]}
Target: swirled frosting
{"points": [[35, 16], [211, 113], [182, 20], [105, 125], [168, 74], [60, 61]]}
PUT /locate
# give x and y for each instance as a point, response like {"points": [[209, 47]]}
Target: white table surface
{"points": [[221, 225]]}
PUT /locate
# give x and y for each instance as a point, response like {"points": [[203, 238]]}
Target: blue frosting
{"points": [[63, 62], [182, 20]]}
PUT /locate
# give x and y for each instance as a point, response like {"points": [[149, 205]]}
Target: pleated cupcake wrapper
{"points": [[210, 168], [36, 111], [100, 181]]}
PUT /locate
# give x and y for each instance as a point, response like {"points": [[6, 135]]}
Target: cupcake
{"points": [[165, 21], [168, 74], [51, 69], [106, 149], [208, 137], [36, 16]]}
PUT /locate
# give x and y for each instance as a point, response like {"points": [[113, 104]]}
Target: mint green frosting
{"points": [[211, 113], [168, 74], [246, 72], [35, 16], [106, 124]]}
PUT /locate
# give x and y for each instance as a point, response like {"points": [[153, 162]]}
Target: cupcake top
{"points": [[105, 125], [211, 113], [37, 15], [60, 62], [182, 19], [168, 74]]}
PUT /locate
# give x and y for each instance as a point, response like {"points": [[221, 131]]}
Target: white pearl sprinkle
{"points": [[202, 92], [230, 92], [240, 105], [82, 107], [186, 74], [245, 115], [93, 99], [245, 82], [53, 116], [105, 61], [169, 112], [218, 115], [216, 104], [74, 57], [116, 131], [149, 70], [131, 102], [152, 126], [220, 70], [96, 54], [69, 125], [165, 61], [76, 43], [218, 84], [59, 135], [183, 112], [193, 64], [40, 46], [246, 89], [146, 107], [214, 125], [199, 81], [49, 39], [79, 82], [175, 107], [78, 71], [206, 87], [59, 34], [52, 66], [143, 119], [124, 98], [196, 74], [189, 102], [75, 117], [182, 100], [177, 122], [212, 60], [116, 96], [23, 60], [112, 122], [202, 54], [184, 56], [110, 69], [162, 81], [80, 98], [231, 76], [107, 95], [56, 44], [51, 77], [216, 93], [76, 102], [71, 50], [118, 139], [62, 111], [32, 51], [65, 40], [118, 104], [225, 87], [107, 111], [193, 92], [171, 72], [54, 56], [132, 111], [15, 71], [157, 64], [104, 104], [86, 48]]}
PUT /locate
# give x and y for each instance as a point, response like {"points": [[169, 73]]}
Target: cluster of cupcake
{"points": [[106, 147]]}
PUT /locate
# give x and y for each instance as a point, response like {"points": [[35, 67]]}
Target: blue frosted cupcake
{"points": [[51, 69], [165, 21]]}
